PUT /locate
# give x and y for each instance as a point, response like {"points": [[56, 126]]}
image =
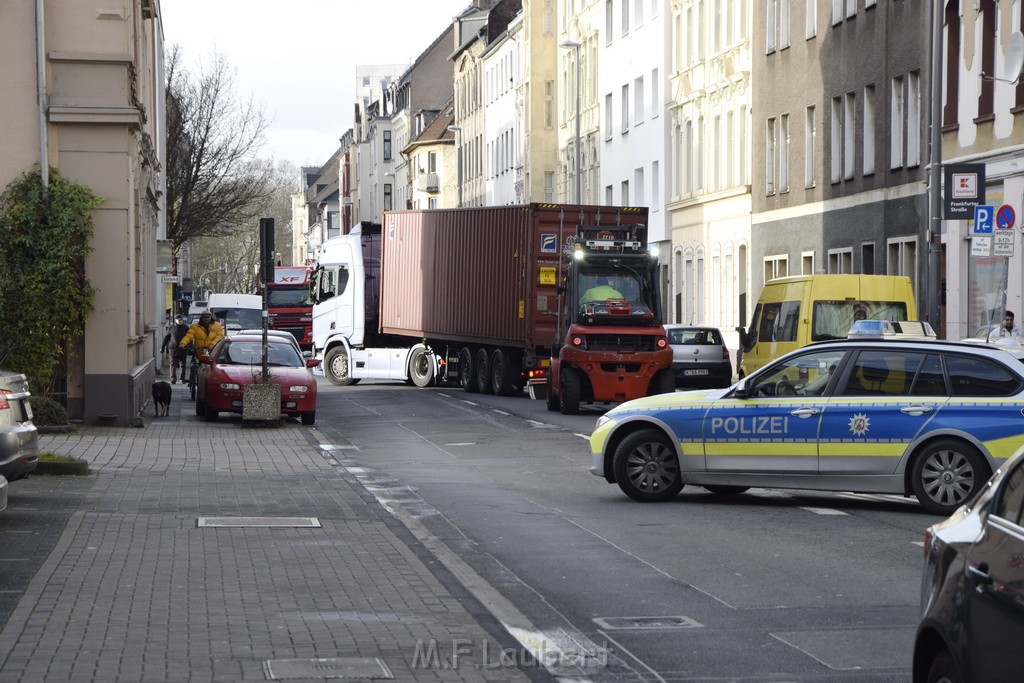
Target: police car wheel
{"points": [[646, 467], [947, 474], [725, 490]]}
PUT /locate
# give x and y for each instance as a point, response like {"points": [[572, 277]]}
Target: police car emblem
{"points": [[859, 424]]}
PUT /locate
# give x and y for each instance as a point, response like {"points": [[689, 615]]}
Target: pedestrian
{"points": [[176, 333], [1008, 329]]}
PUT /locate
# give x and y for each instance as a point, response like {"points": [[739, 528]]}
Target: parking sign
{"points": [[984, 219]]}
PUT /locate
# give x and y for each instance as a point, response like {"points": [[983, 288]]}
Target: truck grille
{"points": [[620, 342]]}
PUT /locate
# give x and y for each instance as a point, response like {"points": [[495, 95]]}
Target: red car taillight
{"points": [[725, 353], [4, 404]]}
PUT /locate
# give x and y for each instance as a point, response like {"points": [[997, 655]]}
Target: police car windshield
{"points": [[833, 319]]}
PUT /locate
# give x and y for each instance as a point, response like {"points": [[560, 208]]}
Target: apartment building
{"points": [[431, 156], [102, 126], [981, 107], [839, 138], [533, 33]]}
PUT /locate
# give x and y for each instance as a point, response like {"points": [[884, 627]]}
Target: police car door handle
{"points": [[805, 412], [916, 410]]}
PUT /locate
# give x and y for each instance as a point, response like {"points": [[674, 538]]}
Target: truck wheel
{"points": [[336, 367], [467, 370], [570, 393], [421, 367], [483, 371], [662, 383], [501, 371], [946, 474], [554, 401], [646, 467]]}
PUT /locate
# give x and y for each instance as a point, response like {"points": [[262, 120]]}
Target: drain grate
{"points": [[334, 667], [260, 522], [619, 623]]}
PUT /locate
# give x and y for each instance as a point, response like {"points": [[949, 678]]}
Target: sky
{"points": [[297, 58]]}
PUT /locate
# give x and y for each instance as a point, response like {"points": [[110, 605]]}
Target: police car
{"points": [[929, 418]]}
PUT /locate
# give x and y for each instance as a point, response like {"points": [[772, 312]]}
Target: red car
{"points": [[237, 361]]}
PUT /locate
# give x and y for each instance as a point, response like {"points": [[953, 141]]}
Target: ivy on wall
{"points": [[45, 298]]}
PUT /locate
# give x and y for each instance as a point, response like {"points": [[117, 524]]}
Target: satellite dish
{"points": [[1013, 56]]}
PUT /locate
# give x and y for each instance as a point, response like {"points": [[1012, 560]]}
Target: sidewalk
{"points": [[129, 586]]}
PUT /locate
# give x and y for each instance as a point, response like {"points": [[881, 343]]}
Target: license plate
{"points": [[28, 409], [691, 373]]}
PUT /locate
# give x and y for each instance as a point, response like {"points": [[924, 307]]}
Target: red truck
{"points": [[289, 306], [494, 298]]}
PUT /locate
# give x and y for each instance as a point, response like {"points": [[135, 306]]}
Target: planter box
{"points": [[261, 401]]}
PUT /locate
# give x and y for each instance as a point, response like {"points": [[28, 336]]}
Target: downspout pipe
{"points": [[44, 162]]}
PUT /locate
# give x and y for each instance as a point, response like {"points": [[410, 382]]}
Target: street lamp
{"points": [[458, 158], [576, 46]]}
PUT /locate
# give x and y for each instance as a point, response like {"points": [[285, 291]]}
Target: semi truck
{"points": [[485, 296], [289, 306]]}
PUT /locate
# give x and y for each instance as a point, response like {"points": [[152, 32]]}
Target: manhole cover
{"points": [[614, 623], [308, 522], [335, 667]]}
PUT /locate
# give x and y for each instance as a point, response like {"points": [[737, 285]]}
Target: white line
{"points": [[469, 402], [462, 443], [582, 436], [441, 393], [920, 543], [499, 412], [824, 511]]}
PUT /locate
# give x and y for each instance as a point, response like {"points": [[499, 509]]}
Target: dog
{"points": [[161, 399]]}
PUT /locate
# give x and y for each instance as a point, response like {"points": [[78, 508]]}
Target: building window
{"points": [[608, 16], [810, 134], [625, 16], [702, 22], [431, 162], [638, 100], [689, 150], [730, 158], [784, 21], [867, 258], [896, 124], [718, 165], [769, 26], [952, 79], [840, 261], [655, 186], [608, 116], [776, 266], [869, 129], [807, 263], [783, 153], [624, 196], [769, 157], [913, 119], [655, 95], [849, 134], [835, 137], [902, 257], [387, 145], [387, 197], [608, 199], [638, 186], [549, 186], [549, 105], [638, 12], [744, 161], [625, 108], [986, 100], [851, 8], [811, 18]]}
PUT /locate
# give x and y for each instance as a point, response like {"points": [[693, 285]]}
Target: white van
{"points": [[236, 312]]}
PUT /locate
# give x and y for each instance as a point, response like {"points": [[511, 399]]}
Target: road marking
{"points": [[582, 436], [441, 393], [919, 543], [469, 402], [462, 443], [542, 425], [499, 412], [825, 511]]}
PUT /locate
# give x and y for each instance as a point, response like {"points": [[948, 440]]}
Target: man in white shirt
{"points": [[1008, 329]]}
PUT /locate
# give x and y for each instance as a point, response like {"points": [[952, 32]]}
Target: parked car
{"points": [[3, 493], [19, 440], [237, 361], [700, 358], [917, 417], [972, 588]]}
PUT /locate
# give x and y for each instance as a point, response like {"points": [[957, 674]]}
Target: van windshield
{"points": [[239, 318], [833, 319]]}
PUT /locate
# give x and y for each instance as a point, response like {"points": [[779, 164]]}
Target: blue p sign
{"points": [[984, 219]]}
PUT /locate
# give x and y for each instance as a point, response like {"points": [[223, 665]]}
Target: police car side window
{"points": [[1010, 504], [805, 375], [971, 376], [883, 373], [930, 380]]}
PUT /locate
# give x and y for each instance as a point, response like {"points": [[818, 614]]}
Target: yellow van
{"points": [[794, 311]]}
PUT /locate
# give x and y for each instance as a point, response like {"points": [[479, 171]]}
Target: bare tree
{"points": [[215, 183]]}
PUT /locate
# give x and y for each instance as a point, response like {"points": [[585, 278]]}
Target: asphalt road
{"points": [[770, 585]]}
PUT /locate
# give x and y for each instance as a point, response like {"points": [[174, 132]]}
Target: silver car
{"points": [[19, 441], [700, 359]]}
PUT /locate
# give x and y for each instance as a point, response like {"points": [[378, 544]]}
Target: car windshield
{"points": [[251, 353], [833, 319], [239, 318], [693, 335], [292, 297]]}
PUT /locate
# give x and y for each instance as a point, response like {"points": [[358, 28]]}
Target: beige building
{"points": [[102, 126]]}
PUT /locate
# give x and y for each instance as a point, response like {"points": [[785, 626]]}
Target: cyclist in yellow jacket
{"points": [[204, 333]]}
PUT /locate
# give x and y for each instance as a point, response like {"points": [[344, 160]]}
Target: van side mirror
{"points": [[742, 332]]}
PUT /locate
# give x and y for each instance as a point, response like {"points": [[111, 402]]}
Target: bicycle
{"points": [[193, 370]]}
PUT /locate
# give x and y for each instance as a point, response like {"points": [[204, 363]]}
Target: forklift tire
{"points": [[554, 402], [570, 391], [662, 383]]}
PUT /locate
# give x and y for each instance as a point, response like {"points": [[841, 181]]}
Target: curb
{"points": [[78, 467]]}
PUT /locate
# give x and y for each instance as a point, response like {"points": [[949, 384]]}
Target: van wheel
{"points": [[946, 474], [646, 467], [467, 370], [483, 371], [337, 368]]}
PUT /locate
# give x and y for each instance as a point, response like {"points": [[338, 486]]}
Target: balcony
{"points": [[427, 183]]}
